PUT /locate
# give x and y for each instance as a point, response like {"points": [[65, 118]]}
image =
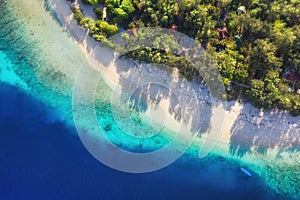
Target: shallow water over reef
{"points": [[41, 155]]}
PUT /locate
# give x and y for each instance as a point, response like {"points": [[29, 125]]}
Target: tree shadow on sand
{"points": [[251, 133], [151, 84], [147, 88]]}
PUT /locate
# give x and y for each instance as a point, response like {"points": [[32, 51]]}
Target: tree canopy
{"points": [[255, 43]]}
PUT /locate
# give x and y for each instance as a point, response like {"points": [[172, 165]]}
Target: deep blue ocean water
{"points": [[42, 159]]}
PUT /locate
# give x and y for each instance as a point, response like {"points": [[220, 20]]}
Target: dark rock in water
{"points": [[108, 127]]}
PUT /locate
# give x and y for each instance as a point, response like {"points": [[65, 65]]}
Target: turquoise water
{"points": [[42, 158], [32, 97]]}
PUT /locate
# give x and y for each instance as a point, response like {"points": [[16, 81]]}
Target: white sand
{"points": [[243, 123], [244, 128]]}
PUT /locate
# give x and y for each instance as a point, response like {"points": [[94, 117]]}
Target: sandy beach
{"points": [[243, 122], [266, 142]]}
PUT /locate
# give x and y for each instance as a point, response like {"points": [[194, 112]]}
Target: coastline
{"points": [[249, 136], [243, 112], [242, 119]]}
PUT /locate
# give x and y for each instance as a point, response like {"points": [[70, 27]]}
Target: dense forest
{"points": [[255, 43]]}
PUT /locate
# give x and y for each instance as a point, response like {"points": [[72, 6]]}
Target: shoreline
{"points": [[242, 136], [244, 112]]}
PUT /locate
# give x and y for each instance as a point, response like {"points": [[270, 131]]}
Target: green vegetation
{"points": [[119, 11], [78, 15], [255, 43], [98, 29], [98, 13], [92, 2]]}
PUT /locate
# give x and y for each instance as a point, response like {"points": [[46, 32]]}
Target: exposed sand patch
{"points": [[241, 119]]}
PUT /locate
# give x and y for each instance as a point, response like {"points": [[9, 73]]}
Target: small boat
{"points": [[246, 171]]}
